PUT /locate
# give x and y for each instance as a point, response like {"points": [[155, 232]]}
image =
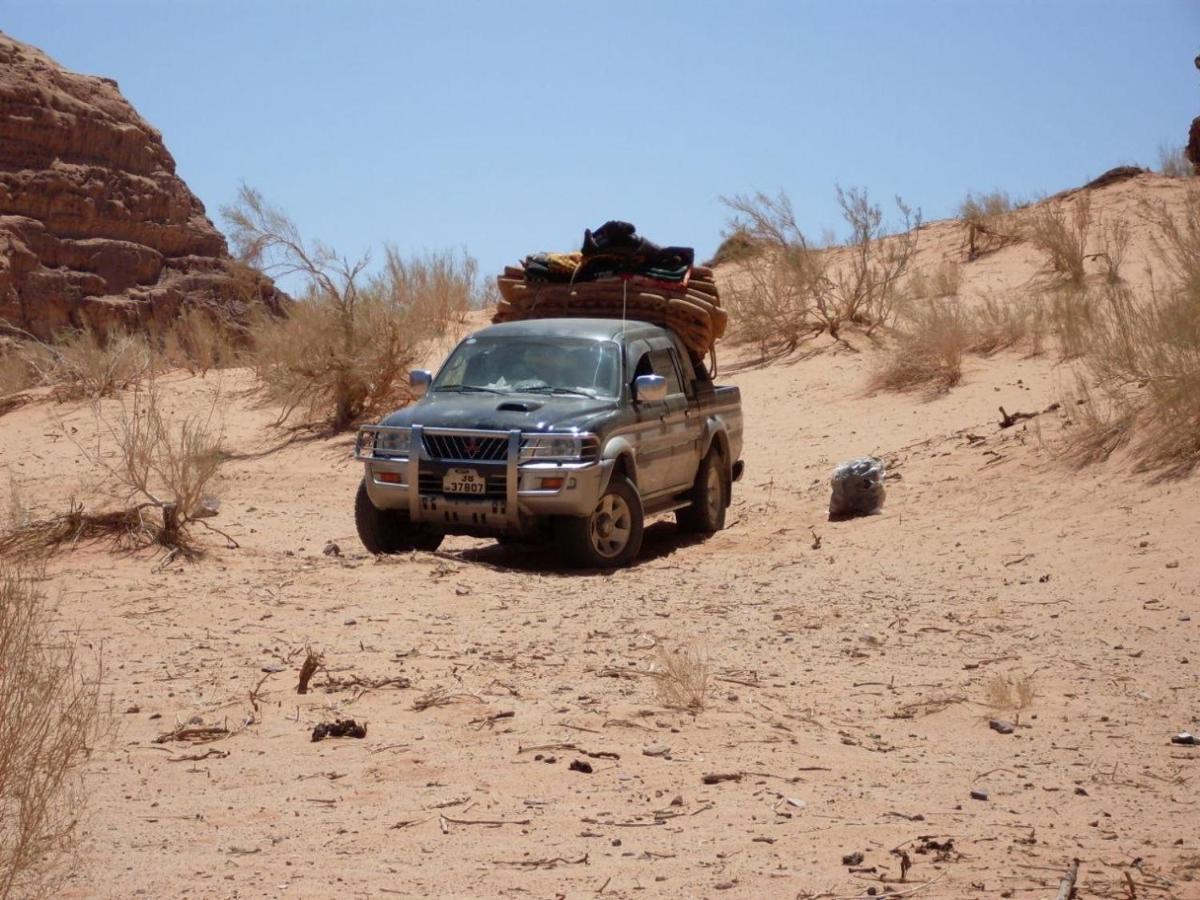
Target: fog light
{"points": [[390, 477], [552, 484]]}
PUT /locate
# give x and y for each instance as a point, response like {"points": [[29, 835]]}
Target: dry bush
{"points": [[85, 363], [822, 290], [53, 717], [1000, 324], [769, 304], [683, 677], [1063, 237], [1071, 311], [984, 218], [1173, 163], [200, 340], [928, 350], [736, 246], [161, 468], [346, 346], [1115, 237], [1143, 355], [18, 513], [985, 209], [944, 281], [166, 464], [35, 538], [16, 374], [1012, 693]]}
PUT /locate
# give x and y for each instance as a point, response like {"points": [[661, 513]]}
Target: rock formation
{"points": [[96, 229]]}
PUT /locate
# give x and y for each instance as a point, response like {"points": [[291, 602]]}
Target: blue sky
{"points": [[509, 127]]}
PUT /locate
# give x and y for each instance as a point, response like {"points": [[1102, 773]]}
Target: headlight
{"points": [[572, 447], [393, 443]]}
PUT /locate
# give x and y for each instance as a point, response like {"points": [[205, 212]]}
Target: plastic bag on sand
{"points": [[857, 488]]}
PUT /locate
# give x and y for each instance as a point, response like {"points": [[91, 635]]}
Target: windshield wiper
{"points": [[547, 389], [469, 388]]}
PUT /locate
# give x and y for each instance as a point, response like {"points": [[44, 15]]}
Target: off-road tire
{"points": [[611, 536], [389, 530], [709, 496]]}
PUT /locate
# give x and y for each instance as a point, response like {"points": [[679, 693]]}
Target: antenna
{"points": [[624, 297]]}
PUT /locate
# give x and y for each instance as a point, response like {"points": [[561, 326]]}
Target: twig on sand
{"points": [[196, 733], [491, 823], [490, 721], [1066, 887], [549, 863], [196, 757], [439, 697], [312, 662]]}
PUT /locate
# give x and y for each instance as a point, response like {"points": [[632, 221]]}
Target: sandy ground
{"points": [[851, 669]]}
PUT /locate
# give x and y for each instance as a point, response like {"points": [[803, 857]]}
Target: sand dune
{"points": [[853, 665]]}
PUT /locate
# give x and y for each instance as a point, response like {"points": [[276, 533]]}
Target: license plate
{"points": [[463, 481]]}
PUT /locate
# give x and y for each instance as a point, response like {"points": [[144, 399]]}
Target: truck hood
{"points": [[495, 412]]}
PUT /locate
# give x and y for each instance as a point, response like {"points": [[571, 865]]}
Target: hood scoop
{"points": [[519, 406]]}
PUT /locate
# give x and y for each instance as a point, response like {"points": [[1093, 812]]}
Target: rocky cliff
{"points": [[96, 228]]}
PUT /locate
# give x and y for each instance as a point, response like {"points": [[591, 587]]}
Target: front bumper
{"points": [[515, 497]]}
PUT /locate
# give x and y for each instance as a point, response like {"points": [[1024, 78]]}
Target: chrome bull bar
{"points": [[417, 452]]}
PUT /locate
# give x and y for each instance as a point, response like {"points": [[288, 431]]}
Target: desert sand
{"points": [[853, 665]]}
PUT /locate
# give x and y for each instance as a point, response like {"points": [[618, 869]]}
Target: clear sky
{"points": [[507, 127]]}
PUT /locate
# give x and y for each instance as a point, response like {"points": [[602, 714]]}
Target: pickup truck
{"points": [[572, 430]]}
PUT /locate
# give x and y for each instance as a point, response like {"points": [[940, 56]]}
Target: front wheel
{"points": [[709, 496], [389, 530], [611, 535]]}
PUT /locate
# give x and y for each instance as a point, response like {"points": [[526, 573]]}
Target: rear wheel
{"points": [[709, 496], [611, 536], [389, 530]]}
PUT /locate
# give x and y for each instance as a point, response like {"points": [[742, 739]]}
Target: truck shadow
{"points": [[661, 539]]}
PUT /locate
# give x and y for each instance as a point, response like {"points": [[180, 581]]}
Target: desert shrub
{"points": [[1063, 237], [943, 281], [996, 325], [769, 303], [1011, 693], [736, 246], [1143, 355], [1115, 236], [78, 363], [53, 717], [984, 216], [16, 374], [815, 290], [1071, 312], [927, 351], [200, 340], [345, 347], [1173, 163], [161, 468], [984, 209], [683, 678]]}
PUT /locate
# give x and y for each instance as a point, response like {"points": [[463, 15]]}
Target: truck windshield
{"points": [[515, 365]]}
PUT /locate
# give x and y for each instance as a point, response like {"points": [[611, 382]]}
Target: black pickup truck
{"points": [[572, 430]]}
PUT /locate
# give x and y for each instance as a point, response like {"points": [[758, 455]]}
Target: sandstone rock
{"points": [[96, 229]]}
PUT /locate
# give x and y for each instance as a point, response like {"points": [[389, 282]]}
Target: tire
{"points": [[611, 536], [388, 530], [709, 496]]}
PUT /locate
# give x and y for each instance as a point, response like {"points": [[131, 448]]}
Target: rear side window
{"points": [[663, 363]]}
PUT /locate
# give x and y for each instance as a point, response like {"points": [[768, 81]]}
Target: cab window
{"points": [[663, 363]]}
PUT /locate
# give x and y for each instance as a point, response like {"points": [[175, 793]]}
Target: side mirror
{"points": [[419, 380], [649, 388]]}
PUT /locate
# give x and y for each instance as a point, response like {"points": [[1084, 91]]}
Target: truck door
{"points": [[660, 422], [680, 423]]}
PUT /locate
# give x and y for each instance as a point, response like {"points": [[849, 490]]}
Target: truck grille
{"points": [[465, 448]]}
